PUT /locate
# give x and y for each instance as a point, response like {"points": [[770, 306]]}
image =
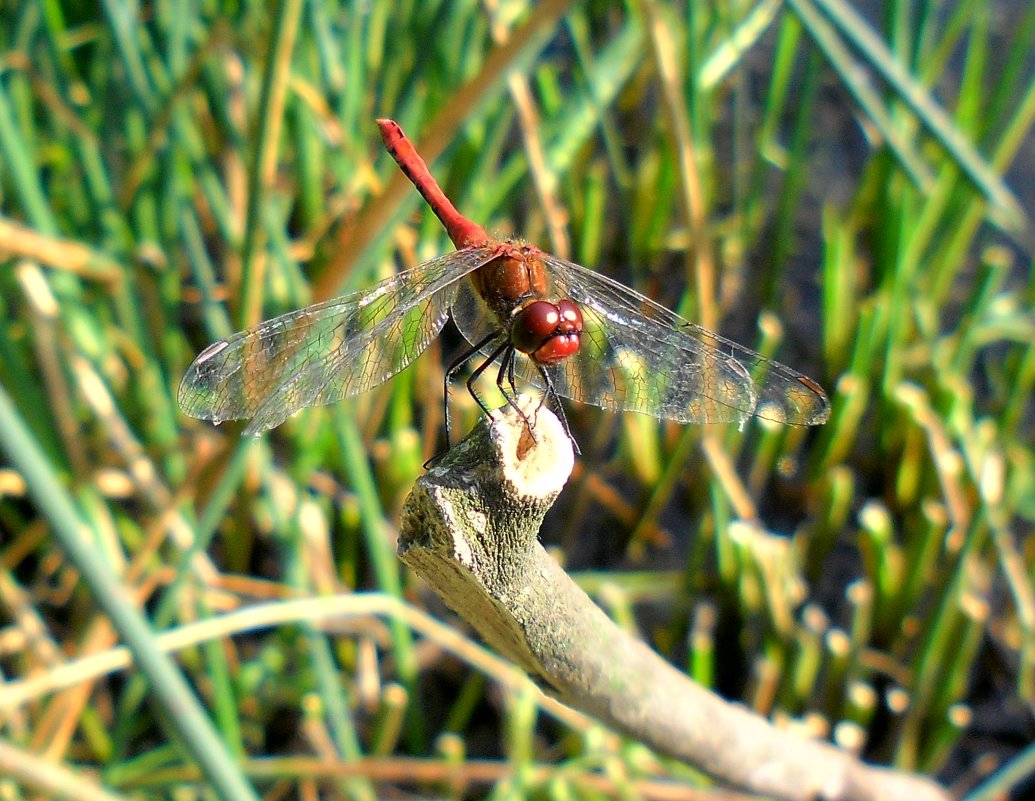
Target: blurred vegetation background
{"points": [[825, 183]]}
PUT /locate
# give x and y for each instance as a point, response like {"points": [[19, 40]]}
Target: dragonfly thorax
{"points": [[516, 276]]}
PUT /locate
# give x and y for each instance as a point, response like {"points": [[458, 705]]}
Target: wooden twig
{"points": [[469, 529]]}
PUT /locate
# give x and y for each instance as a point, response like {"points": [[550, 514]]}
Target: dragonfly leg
{"points": [[476, 373], [451, 371], [510, 372], [551, 393], [506, 375]]}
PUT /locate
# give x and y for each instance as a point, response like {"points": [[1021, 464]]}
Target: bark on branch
{"points": [[470, 529]]}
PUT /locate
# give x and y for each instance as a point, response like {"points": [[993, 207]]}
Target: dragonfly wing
{"points": [[472, 316], [327, 351], [638, 356]]}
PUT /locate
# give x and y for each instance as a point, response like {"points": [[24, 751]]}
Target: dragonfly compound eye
{"points": [[547, 332]]}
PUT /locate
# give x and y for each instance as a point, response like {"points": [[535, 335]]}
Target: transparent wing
{"points": [[636, 355], [327, 351]]}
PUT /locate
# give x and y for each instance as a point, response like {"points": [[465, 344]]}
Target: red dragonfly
{"points": [[547, 321]]}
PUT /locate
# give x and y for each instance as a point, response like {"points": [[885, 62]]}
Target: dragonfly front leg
{"points": [[452, 370], [506, 375]]}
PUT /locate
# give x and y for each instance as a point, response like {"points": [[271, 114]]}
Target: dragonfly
{"points": [[566, 329]]}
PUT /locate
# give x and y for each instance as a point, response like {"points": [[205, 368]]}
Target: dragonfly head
{"points": [[547, 332]]}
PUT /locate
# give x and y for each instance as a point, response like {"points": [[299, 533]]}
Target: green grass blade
{"points": [[857, 30], [185, 713]]}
